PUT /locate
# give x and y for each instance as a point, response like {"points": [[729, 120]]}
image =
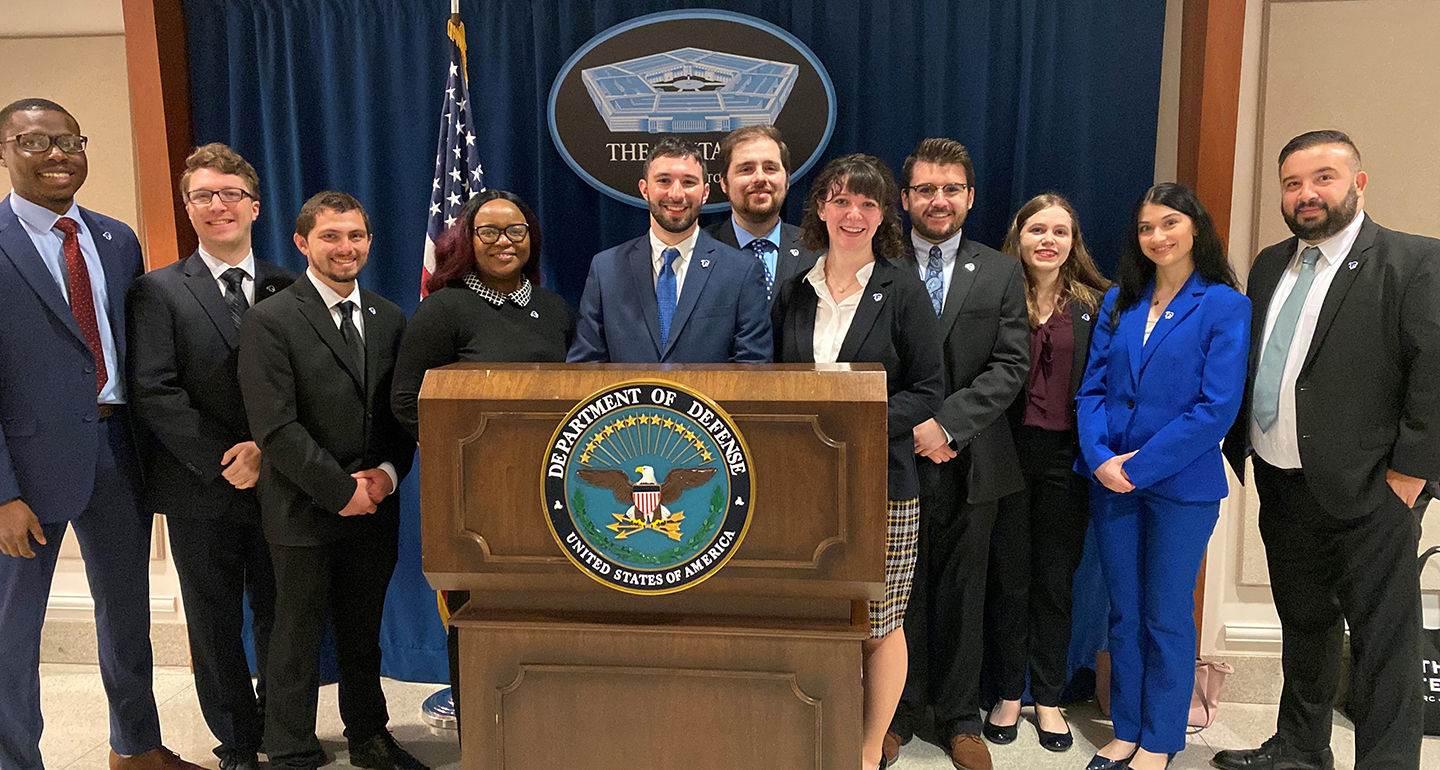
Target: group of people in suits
{"points": [[272, 416]]}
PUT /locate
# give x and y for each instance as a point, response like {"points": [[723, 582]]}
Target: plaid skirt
{"points": [[901, 533]]}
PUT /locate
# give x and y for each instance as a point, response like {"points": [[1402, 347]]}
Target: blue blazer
{"points": [[723, 315], [49, 422], [1172, 398]]}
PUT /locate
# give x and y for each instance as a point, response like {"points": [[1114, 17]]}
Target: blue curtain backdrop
{"points": [[346, 94]]}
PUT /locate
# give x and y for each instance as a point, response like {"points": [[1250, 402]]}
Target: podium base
{"points": [[438, 710]]}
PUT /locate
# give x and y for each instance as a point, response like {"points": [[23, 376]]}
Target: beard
{"points": [[744, 209], [667, 220], [1333, 222], [919, 225]]}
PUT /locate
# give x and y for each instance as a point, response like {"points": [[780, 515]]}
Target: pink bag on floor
{"points": [[1205, 700]]}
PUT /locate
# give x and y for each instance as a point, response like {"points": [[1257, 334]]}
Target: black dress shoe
{"points": [[1098, 762], [1000, 735], [240, 761], [1055, 741], [381, 752], [1274, 754]]}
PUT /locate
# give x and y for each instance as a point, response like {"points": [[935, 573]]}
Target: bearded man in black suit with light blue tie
{"points": [[66, 451], [1342, 420], [201, 464], [674, 295], [755, 175]]}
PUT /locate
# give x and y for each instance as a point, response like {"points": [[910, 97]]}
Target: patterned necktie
{"points": [[666, 292], [349, 332], [234, 296], [1265, 404], [935, 279], [82, 301], [762, 248]]}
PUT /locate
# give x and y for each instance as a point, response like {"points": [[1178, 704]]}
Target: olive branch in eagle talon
{"points": [[646, 497]]}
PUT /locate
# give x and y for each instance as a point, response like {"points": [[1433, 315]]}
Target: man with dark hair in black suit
{"points": [[755, 173], [968, 458], [200, 462], [316, 362], [1342, 419]]}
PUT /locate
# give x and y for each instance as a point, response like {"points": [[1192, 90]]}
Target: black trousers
{"points": [[1036, 545], [347, 579], [454, 602], [947, 603], [220, 563], [1325, 571]]}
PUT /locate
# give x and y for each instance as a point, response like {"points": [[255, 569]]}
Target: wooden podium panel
{"points": [[812, 430]]}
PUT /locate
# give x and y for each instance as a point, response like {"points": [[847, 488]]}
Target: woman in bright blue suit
{"points": [[1163, 385]]}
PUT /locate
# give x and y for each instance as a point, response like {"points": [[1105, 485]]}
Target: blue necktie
{"points": [[665, 293], [935, 279], [1265, 404], [763, 248]]}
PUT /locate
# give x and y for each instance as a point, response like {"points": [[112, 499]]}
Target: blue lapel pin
{"points": [[534, 314], [1352, 265], [877, 296], [1169, 314], [704, 263], [1085, 316], [106, 234], [794, 252], [970, 266], [372, 311]]}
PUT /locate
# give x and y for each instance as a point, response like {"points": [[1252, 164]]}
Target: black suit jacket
{"points": [[184, 391], [1368, 393], [895, 326], [319, 416], [985, 334], [792, 260], [1083, 323]]}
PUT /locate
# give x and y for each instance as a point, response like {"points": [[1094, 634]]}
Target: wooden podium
{"points": [[758, 666]]}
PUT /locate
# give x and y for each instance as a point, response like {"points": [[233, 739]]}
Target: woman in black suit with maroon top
{"points": [[854, 306], [1039, 535]]}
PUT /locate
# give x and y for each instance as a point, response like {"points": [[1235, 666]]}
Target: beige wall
{"points": [[86, 75]]}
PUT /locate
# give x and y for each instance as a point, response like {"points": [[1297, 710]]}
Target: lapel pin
{"points": [[1353, 265], [1085, 316], [372, 311], [269, 289], [970, 266], [1169, 314], [794, 252], [704, 263], [877, 296], [106, 234], [534, 314]]}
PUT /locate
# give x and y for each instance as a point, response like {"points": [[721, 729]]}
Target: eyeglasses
{"points": [[226, 194], [70, 144], [952, 190], [490, 233]]}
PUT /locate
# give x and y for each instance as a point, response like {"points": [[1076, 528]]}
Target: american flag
{"points": [[457, 161]]}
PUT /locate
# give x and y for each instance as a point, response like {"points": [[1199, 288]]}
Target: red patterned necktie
{"points": [[82, 302]]}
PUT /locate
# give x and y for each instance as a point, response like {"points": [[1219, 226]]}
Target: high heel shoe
{"points": [[1098, 762], [998, 735]]}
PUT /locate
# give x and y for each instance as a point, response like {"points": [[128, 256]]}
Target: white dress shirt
{"points": [[657, 258], [1280, 447], [832, 319], [218, 268], [949, 249], [332, 300]]}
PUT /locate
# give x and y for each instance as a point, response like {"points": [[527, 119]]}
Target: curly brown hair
{"points": [[221, 159], [858, 174]]}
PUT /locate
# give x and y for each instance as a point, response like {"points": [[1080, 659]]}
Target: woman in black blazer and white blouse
{"points": [[854, 306], [1039, 535]]}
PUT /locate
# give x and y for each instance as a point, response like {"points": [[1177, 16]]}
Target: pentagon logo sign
{"points": [[700, 73], [647, 487]]}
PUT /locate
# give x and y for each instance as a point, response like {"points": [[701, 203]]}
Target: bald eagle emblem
{"points": [[647, 497]]}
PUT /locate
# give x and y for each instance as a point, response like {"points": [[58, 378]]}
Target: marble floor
{"points": [[76, 729]]}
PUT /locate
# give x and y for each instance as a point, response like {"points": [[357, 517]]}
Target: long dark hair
{"points": [[1136, 269], [1080, 281], [858, 174], [455, 250]]}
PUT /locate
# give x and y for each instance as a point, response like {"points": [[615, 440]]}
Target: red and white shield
{"points": [[647, 499]]}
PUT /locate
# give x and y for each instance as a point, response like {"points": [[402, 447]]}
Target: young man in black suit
{"points": [[200, 462], [755, 174], [1342, 419], [316, 363], [968, 459]]}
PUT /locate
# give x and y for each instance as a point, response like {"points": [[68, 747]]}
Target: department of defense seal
{"points": [[647, 487]]}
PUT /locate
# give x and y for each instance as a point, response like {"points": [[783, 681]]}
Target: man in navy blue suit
{"points": [[675, 295], [66, 452]]}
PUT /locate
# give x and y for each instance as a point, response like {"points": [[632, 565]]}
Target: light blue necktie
{"points": [[666, 292], [935, 279], [1266, 402], [761, 248]]}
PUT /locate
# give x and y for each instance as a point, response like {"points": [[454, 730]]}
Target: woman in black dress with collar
{"points": [[854, 306], [484, 305]]}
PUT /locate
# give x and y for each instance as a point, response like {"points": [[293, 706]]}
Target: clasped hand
{"points": [[371, 487], [1112, 474]]}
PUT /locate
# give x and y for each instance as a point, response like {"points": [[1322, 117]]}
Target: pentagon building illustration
{"points": [[690, 90]]}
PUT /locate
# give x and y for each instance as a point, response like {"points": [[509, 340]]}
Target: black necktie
{"points": [[234, 296], [349, 332]]}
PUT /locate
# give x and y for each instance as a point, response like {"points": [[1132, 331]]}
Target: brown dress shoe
{"points": [[155, 759], [968, 752], [890, 747]]}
